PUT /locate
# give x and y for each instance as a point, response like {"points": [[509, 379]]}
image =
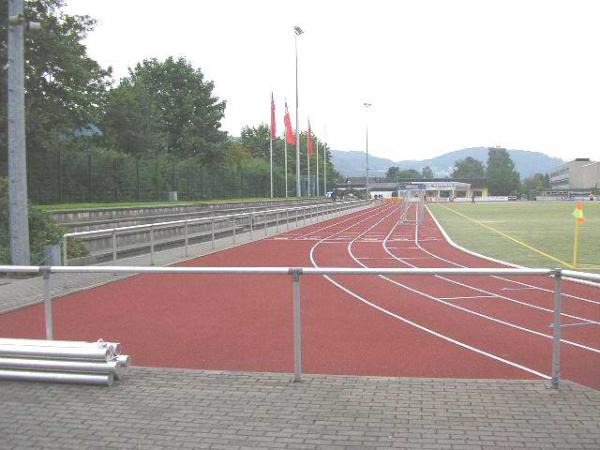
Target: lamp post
{"points": [[297, 32], [367, 105]]}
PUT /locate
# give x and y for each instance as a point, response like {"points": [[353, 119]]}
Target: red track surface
{"points": [[351, 325]]}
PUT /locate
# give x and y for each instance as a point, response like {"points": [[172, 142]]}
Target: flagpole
{"points": [[576, 244], [317, 167], [297, 32], [324, 163], [285, 165], [271, 157], [307, 165]]}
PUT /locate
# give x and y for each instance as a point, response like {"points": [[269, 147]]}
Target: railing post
{"points": [[265, 222], [47, 302], [304, 212], [212, 232], [64, 251], [114, 245], [252, 226], [233, 235], [287, 218], [297, 325], [296, 221], [152, 245], [185, 232], [556, 330], [277, 221]]}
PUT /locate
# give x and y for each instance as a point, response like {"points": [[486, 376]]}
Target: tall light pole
{"points": [[367, 105], [17, 162], [324, 162], [297, 32]]}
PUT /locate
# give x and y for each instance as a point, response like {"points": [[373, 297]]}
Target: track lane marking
{"points": [[418, 326]]}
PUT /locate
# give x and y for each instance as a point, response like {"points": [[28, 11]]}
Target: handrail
{"points": [[297, 272], [198, 219], [152, 227]]}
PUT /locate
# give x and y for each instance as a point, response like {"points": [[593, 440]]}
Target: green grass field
{"points": [[541, 227], [115, 205]]}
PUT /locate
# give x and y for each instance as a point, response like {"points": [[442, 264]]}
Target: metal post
{"points": [[556, 331], [277, 221], [48, 304], [152, 245], [265, 223], [212, 232], [304, 213], [287, 218], [297, 325], [233, 235], [252, 226], [114, 245], [64, 250], [185, 244], [296, 221], [17, 161], [297, 32]]}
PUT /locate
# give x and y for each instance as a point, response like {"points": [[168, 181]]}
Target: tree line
{"points": [[163, 110], [499, 173]]}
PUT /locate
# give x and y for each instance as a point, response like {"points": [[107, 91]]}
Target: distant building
{"points": [[434, 188], [578, 177]]}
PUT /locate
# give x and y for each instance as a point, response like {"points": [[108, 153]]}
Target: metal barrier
{"points": [[231, 222], [297, 272]]}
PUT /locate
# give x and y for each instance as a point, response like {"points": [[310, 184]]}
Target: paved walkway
{"points": [[169, 408], [16, 293]]}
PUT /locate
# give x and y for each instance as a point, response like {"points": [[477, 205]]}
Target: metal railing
{"points": [[297, 272], [230, 223]]}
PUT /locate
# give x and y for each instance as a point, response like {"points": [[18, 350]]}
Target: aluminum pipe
{"points": [[30, 351], [60, 365], [54, 377], [114, 347]]}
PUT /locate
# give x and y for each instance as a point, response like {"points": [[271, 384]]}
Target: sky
{"points": [[440, 75]]}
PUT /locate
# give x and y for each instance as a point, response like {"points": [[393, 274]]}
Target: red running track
{"points": [[467, 327]]}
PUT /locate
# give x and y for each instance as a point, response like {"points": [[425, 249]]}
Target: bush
{"points": [[43, 231]]}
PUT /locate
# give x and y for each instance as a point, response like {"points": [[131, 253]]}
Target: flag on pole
{"points": [[310, 149], [273, 125], [290, 137], [578, 212]]}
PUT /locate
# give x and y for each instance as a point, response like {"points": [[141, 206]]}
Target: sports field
{"points": [[465, 326], [532, 234]]}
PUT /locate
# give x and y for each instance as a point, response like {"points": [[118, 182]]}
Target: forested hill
{"points": [[352, 163]]}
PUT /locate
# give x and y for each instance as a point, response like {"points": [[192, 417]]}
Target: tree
{"points": [[534, 185], [64, 88], [468, 168], [427, 172], [502, 178], [256, 140], [185, 110]]}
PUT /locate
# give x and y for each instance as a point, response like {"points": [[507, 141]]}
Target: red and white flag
{"points": [[290, 137], [273, 125], [309, 142]]}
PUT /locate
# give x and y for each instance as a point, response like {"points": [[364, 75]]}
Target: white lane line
{"points": [[467, 297], [468, 311], [369, 211], [518, 289], [421, 327], [484, 291], [499, 277]]}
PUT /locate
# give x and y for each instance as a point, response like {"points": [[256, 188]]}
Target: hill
{"points": [[352, 163]]}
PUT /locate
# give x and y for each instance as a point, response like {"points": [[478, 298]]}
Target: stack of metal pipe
{"points": [[62, 361]]}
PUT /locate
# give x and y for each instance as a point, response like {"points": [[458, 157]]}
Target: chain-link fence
{"points": [[101, 176]]}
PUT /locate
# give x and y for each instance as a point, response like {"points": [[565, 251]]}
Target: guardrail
{"points": [[297, 272], [251, 220]]}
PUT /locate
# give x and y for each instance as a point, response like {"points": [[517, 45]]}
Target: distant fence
{"points": [[103, 176]]}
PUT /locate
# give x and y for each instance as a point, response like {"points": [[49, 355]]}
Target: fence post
{"points": [[114, 245], [556, 330], [152, 245], [297, 325], [185, 231], [212, 231], [287, 218], [252, 226], [277, 221], [47, 302]]}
